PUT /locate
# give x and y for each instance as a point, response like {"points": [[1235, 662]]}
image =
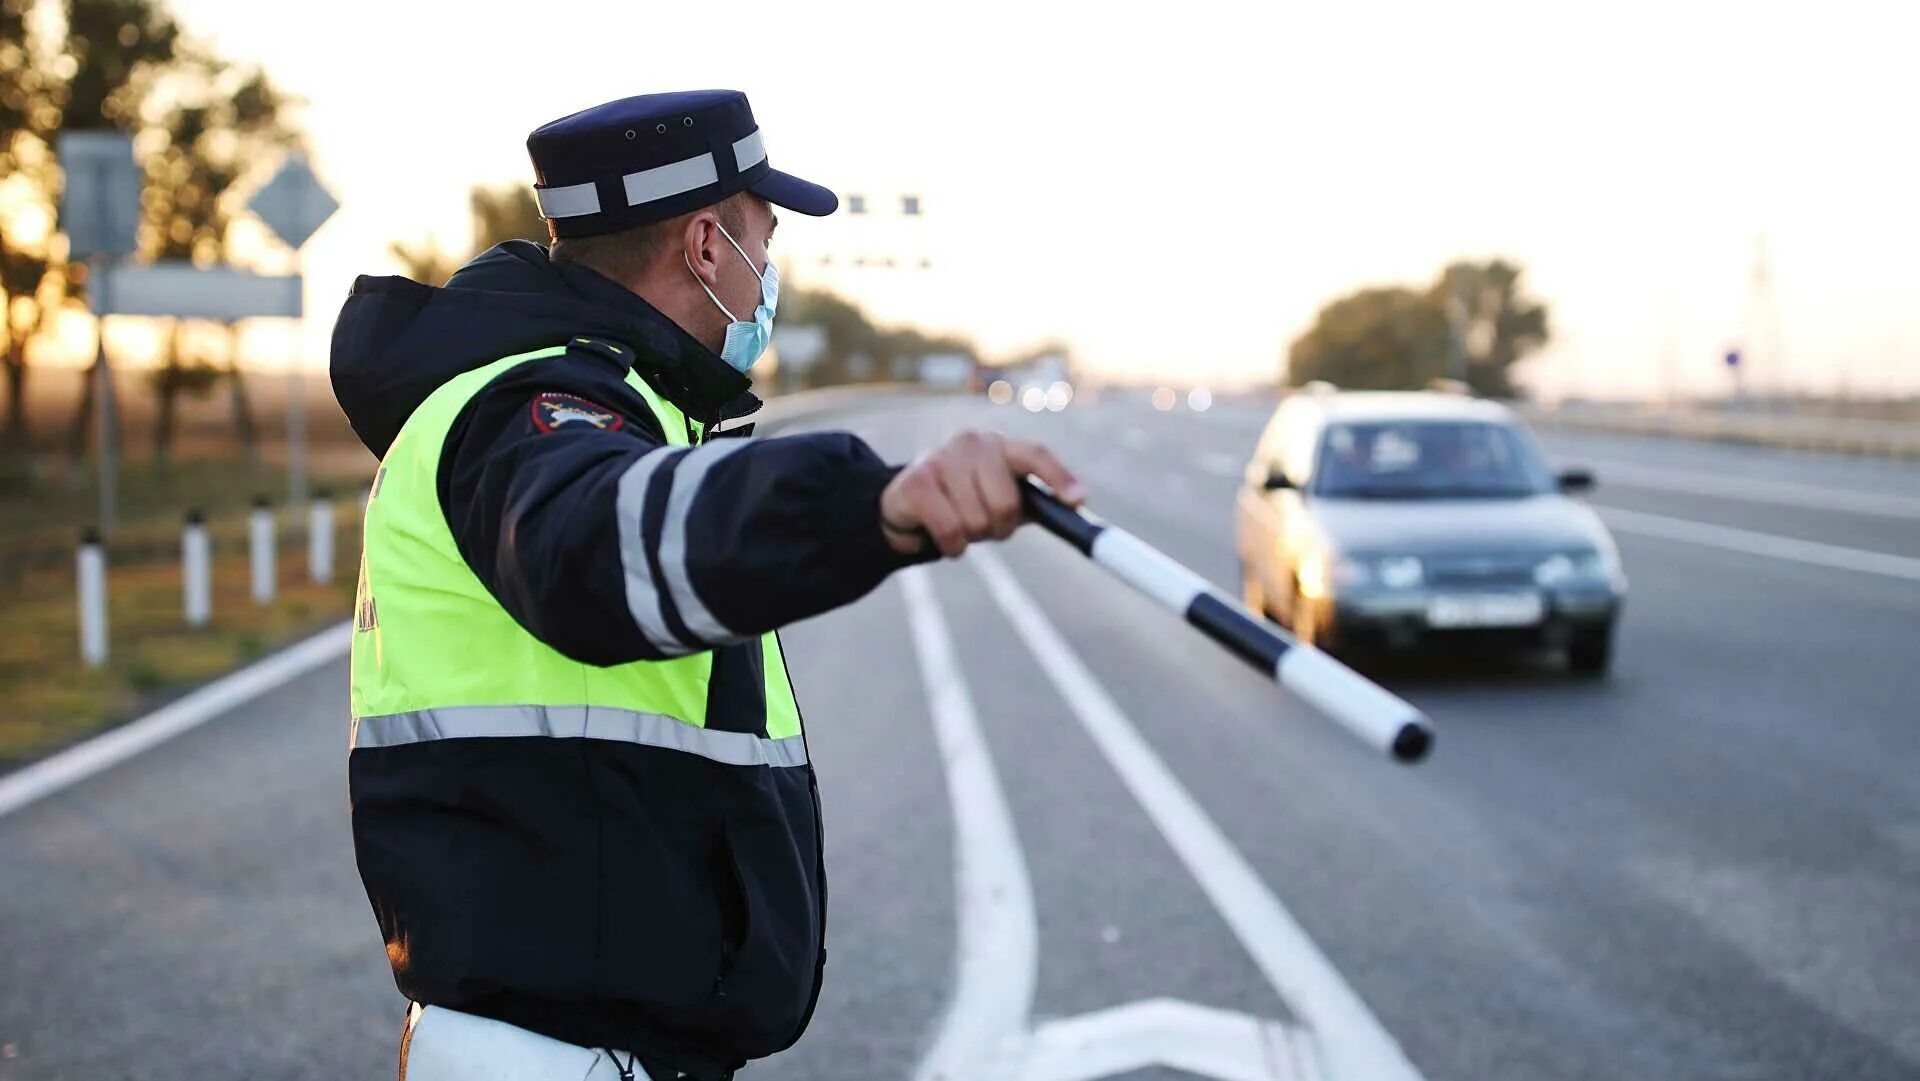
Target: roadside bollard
{"points": [[260, 549], [196, 570], [320, 539], [91, 571]]}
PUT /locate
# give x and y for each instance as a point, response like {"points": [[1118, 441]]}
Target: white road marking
{"points": [[109, 749], [985, 1024], [1772, 545], [1199, 1040], [1753, 489], [1219, 464], [984, 1034], [1352, 1043]]}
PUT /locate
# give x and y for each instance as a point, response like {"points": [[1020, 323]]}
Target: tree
{"points": [[216, 122], [83, 72], [1397, 338], [1493, 325], [507, 212], [1389, 338]]}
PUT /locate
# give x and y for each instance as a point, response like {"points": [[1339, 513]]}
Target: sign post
{"points": [[294, 204], [100, 213]]}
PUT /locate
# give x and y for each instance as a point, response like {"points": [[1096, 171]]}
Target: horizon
{"points": [[1067, 197]]}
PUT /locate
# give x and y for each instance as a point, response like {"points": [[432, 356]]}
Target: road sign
{"points": [[1733, 358], [293, 203], [100, 202], [187, 291]]}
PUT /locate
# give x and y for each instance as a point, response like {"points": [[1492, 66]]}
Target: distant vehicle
{"points": [[1387, 519]]}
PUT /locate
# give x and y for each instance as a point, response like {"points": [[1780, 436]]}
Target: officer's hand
{"points": [[967, 490]]}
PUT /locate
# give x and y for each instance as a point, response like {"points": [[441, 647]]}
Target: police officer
{"points": [[582, 803]]}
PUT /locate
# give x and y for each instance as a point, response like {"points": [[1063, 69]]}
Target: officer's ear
{"points": [[702, 244]]}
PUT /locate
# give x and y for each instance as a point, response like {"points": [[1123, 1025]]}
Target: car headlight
{"points": [[1562, 568], [1401, 572], [1319, 575]]}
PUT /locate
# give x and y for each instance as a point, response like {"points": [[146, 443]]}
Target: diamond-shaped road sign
{"points": [[293, 204]]}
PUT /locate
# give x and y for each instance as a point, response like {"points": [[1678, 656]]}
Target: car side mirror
{"points": [[1576, 480], [1277, 481]]}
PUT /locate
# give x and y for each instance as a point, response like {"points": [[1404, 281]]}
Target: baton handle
{"points": [[1364, 708]]}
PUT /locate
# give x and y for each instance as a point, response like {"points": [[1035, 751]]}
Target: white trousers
{"points": [[447, 1045]]}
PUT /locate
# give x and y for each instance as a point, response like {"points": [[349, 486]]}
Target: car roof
{"points": [[1362, 405]]}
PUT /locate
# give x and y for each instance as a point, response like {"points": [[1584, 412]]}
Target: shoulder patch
{"points": [[552, 411]]}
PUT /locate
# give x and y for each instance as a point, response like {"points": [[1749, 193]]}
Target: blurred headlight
{"points": [[1579, 567], [1401, 572], [1319, 578]]}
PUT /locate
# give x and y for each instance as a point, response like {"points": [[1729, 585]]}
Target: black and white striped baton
{"points": [[1362, 707]]}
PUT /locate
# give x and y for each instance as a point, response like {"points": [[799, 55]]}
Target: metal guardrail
{"points": [[1839, 435]]}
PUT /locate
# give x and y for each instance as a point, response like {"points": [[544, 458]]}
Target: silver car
{"points": [[1391, 520]]}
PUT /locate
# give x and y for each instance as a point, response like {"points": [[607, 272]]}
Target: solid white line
{"points": [[1751, 489], [108, 749], [984, 1030], [1353, 1043], [1771, 545]]}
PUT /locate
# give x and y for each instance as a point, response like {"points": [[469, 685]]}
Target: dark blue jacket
{"points": [[705, 886]]}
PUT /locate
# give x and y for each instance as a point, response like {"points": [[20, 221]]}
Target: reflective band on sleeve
{"points": [[673, 541], [577, 722], [643, 593], [571, 201], [749, 152], [666, 181]]}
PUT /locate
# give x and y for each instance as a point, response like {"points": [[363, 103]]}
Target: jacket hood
{"points": [[397, 340]]}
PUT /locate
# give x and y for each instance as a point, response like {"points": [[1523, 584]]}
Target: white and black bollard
{"points": [[196, 570], [260, 550], [1362, 707], [320, 539], [90, 571]]}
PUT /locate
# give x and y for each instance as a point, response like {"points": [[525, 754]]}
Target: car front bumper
{"points": [[1401, 619]]}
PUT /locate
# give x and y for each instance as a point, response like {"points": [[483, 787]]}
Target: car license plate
{"points": [[1485, 610]]}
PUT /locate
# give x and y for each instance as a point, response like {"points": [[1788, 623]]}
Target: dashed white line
{"points": [[1772, 545], [109, 749], [1353, 1044]]}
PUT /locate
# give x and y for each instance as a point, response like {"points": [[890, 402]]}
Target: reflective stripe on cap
{"points": [[571, 201]]}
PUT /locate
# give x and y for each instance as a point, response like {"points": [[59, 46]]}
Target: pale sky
{"points": [[1175, 189]]}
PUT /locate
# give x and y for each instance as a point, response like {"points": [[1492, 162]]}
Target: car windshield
{"points": [[1428, 460]]}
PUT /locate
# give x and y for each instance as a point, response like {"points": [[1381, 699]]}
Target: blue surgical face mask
{"points": [[746, 341]]}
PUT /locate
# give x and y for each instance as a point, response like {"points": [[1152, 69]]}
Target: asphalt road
{"points": [[1707, 866]]}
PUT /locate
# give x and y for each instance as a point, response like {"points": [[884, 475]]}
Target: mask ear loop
{"points": [[743, 252]]}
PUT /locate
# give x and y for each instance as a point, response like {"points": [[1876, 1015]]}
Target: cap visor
{"points": [[802, 196]]}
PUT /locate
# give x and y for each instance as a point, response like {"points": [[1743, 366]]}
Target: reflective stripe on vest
{"points": [[436, 657], [577, 722]]}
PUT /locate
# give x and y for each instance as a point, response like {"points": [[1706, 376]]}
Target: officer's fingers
{"points": [[1024, 458], [998, 494], [934, 511], [963, 493]]}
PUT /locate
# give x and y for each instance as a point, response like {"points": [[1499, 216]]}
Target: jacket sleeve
{"points": [[610, 545]]}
